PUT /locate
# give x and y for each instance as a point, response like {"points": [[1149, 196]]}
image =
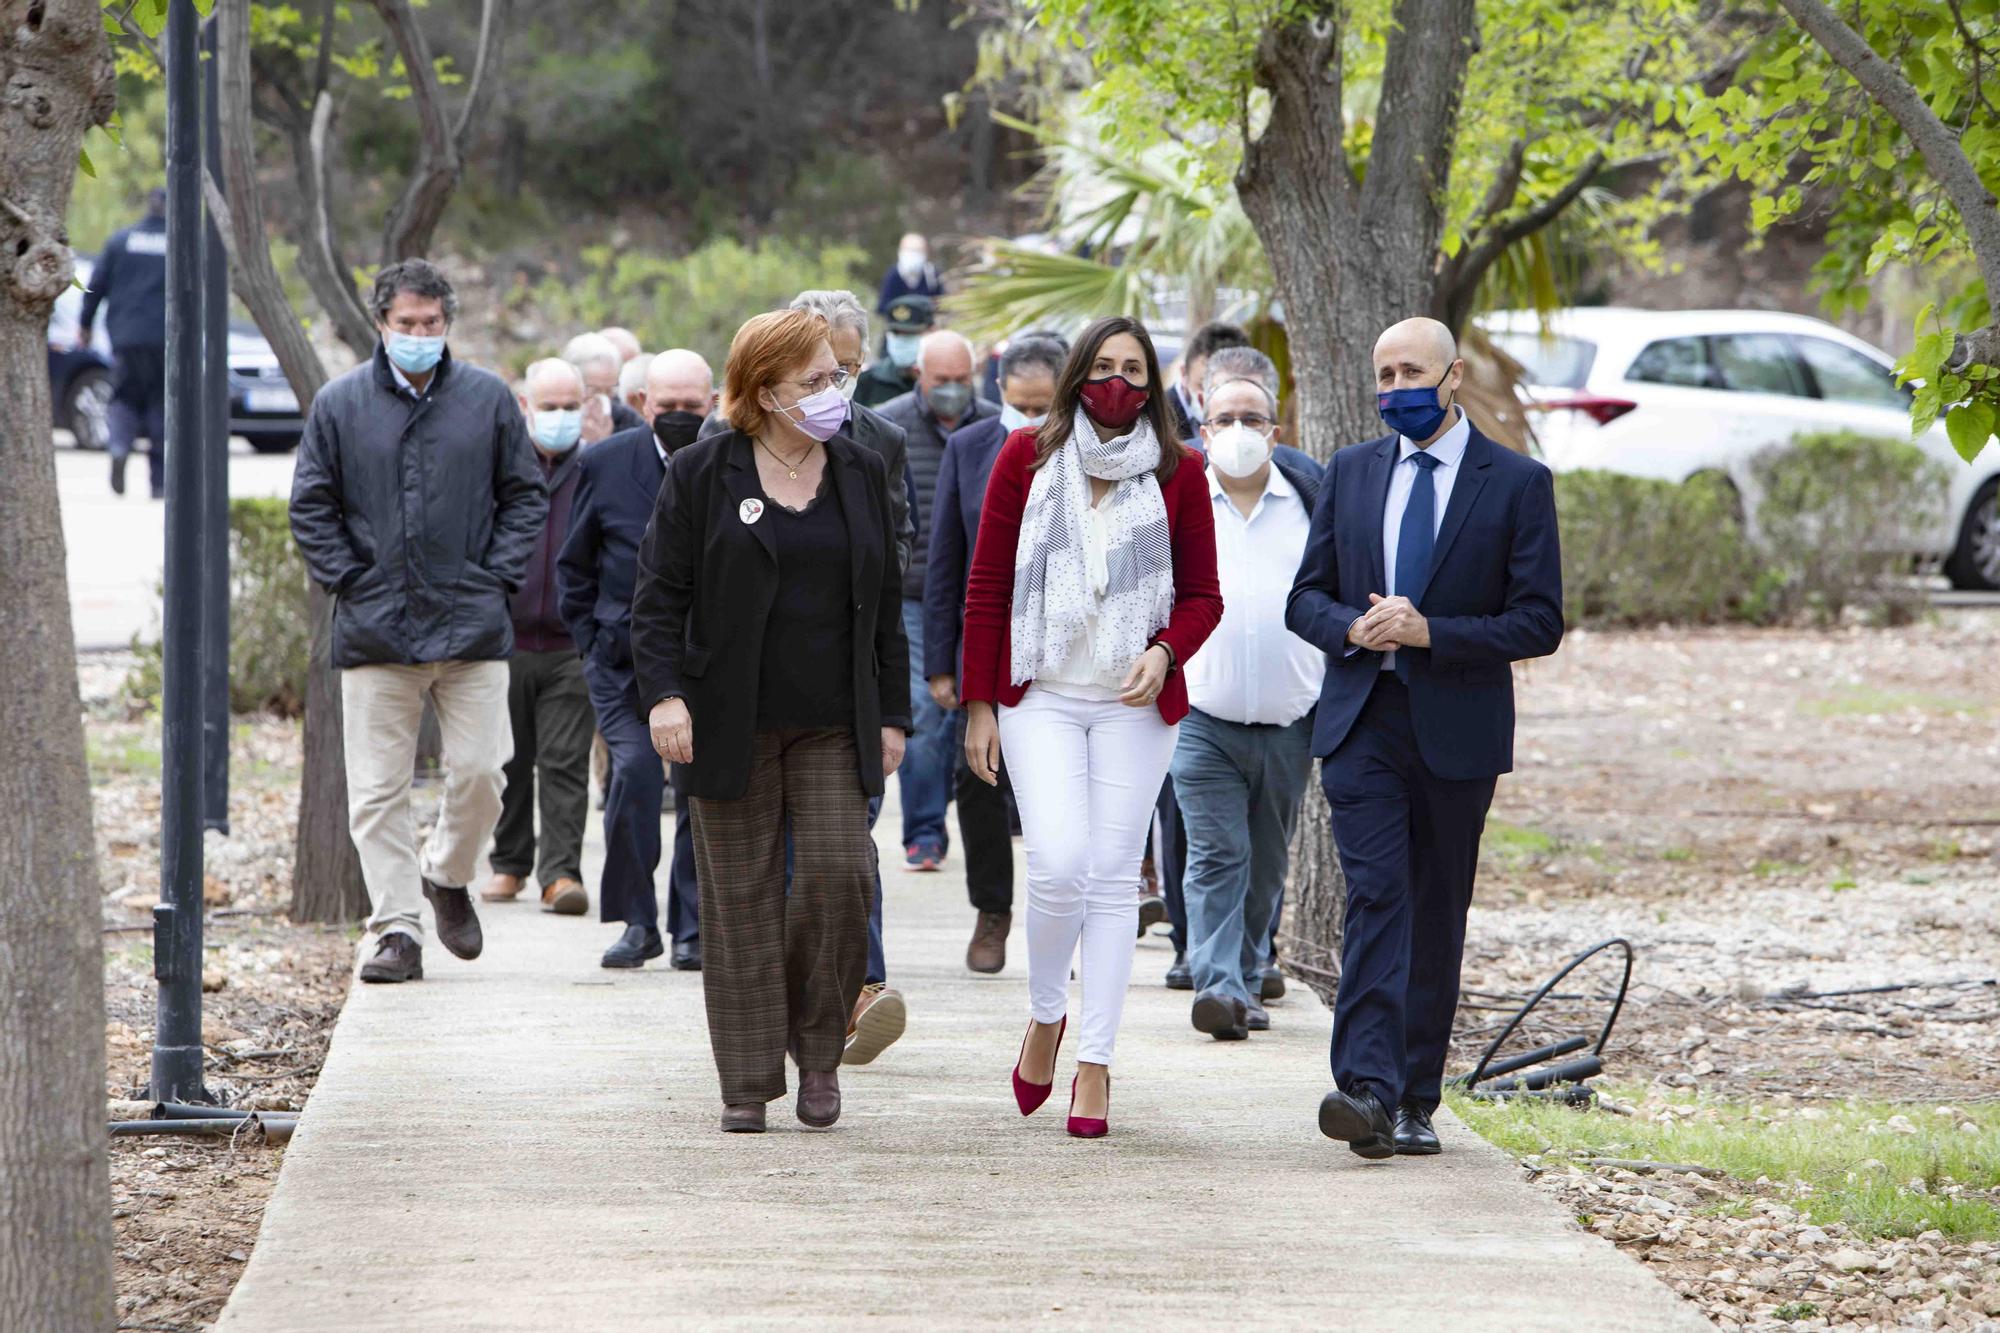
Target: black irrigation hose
{"points": [[1487, 1068]]}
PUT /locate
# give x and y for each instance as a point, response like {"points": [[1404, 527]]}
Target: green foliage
{"points": [[1637, 551], [1844, 1163], [1838, 517], [1802, 133], [112, 191], [270, 620], [700, 299]]}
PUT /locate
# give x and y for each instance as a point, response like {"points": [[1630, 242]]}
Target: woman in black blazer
{"points": [[768, 639]]}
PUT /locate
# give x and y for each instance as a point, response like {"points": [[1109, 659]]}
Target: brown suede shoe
{"points": [[565, 897], [818, 1101], [743, 1118], [502, 888], [397, 958], [457, 922], [879, 1018], [988, 951]]}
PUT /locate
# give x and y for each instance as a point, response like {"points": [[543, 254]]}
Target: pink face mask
{"points": [[820, 414]]}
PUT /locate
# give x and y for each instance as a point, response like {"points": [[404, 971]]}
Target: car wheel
{"points": [[273, 444], [1975, 562], [87, 408]]}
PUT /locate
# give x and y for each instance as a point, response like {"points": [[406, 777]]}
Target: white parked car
{"points": [[1669, 394]]}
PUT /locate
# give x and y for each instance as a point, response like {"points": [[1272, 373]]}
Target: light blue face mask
{"points": [[903, 349], [414, 353], [1013, 418], [558, 429]]}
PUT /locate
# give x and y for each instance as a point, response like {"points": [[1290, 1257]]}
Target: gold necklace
{"points": [[791, 469]]}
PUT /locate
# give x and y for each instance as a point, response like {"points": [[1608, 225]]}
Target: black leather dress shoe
{"points": [[1274, 983], [397, 958], [1179, 976], [687, 956], [1220, 1016], [457, 922], [1256, 1017], [1414, 1135], [1359, 1121], [634, 947]]}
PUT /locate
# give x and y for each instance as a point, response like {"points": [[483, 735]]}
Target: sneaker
{"points": [[922, 858], [879, 1018]]}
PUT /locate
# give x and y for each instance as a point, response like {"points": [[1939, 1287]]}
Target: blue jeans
{"points": [[928, 761], [1239, 788]]}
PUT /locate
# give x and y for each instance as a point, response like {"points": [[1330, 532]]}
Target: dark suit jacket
{"points": [[1494, 597], [619, 477], [706, 583], [961, 491], [924, 440]]}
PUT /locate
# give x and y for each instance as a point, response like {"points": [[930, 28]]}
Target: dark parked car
{"points": [[262, 407]]}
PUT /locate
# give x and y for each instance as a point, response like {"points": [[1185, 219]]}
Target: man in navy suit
{"points": [[1029, 369], [1431, 567], [614, 502]]}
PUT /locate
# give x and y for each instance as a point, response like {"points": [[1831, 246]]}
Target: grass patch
{"points": [[1677, 854], [120, 756], [1516, 845], [1764, 869], [1861, 700], [1845, 1165]]}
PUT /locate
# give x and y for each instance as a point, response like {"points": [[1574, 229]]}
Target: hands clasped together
{"points": [[1389, 622]]}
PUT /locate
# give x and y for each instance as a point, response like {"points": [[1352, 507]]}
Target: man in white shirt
{"points": [[1245, 751]]}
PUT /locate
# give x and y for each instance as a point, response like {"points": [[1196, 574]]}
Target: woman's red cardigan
{"points": [[989, 589]]}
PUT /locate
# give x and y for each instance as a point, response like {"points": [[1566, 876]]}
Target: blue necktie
{"points": [[1415, 541]]}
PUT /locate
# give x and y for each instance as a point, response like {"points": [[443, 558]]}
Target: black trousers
{"points": [[1409, 844], [632, 811], [985, 834], [139, 407], [549, 706], [1170, 861]]}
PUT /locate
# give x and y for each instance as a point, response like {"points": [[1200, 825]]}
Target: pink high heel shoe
{"points": [[1089, 1127], [1030, 1096]]}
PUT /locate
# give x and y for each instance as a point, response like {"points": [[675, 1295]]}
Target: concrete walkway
{"points": [[529, 1142]]}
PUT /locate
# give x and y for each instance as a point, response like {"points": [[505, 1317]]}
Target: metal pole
{"points": [[177, 1054], [214, 478]]}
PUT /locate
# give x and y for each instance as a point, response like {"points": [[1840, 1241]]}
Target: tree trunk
{"points": [[326, 870], [1349, 257], [55, 1189]]}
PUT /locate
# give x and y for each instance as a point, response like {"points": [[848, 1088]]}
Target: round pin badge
{"points": [[750, 510]]}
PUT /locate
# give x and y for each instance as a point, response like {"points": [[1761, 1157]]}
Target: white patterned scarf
{"points": [[1063, 574]]}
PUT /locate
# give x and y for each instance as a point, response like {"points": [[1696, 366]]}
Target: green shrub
{"points": [[1838, 516], [700, 299], [1642, 552], [270, 624]]}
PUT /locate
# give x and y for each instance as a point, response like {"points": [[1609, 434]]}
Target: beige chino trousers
{"points": [[383, 706]]}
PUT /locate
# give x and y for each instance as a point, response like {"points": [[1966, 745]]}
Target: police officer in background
{"points": [[910, 318], [131, 276]]}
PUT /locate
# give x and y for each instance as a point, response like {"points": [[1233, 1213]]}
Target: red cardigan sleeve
{"points": [[1197, 589], [989, 584]]}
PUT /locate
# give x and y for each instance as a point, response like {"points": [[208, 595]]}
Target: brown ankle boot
{"points": [[819, 1097], [988, 951], [743, 1118]]}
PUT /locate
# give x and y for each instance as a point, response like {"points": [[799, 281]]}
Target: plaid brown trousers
{"points": [[784, 968]]}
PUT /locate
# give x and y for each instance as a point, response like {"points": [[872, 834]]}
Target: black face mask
{"points": [[674, 429]]}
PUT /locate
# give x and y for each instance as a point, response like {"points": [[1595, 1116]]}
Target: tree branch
{"points": [[1940, 148], [493, 23], [1459, 285], [413, 218]]}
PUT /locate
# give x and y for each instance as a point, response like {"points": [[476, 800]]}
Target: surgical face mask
{"points": [[949, 400], [1013, 418], [1414, 414], [849, 385], [903, 348], [910, 262], [820, 414], [558, 429], [1237, 451], [414, 353]]}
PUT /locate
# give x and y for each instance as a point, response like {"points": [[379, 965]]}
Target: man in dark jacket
{"points": [[416, 502], [619, 481], [912, 274], [1029, 369], [131, 275], [942, 402], [910, 318], [547, 700]]}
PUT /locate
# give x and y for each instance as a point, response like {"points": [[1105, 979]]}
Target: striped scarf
{"points": [[1073, 561]]}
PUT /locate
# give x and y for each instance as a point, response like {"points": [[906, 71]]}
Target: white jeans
{"points": [[1086, 777], [382, 708]]}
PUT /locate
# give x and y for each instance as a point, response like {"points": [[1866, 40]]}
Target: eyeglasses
{"points": [[1260, 424], [820, 383]]}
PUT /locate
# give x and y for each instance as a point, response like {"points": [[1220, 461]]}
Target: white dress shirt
{"points": [[1253, 669], [1449, 451]]}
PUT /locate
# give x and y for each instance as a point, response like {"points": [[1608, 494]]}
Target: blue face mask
{"points": [[903, 348], [414, 354], [1013, 418], [558, 429], [1414, 414]]}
